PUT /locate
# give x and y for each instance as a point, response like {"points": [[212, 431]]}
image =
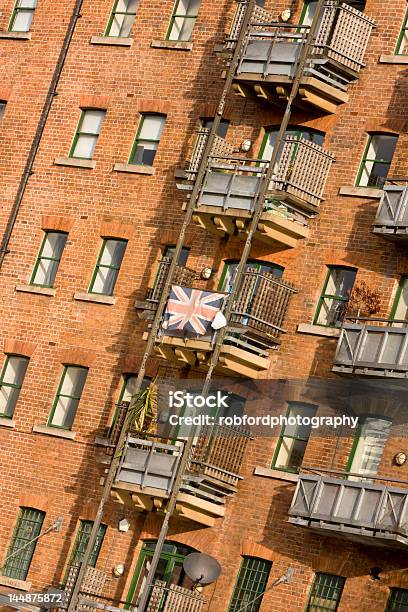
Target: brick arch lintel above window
{"points": [[31, 500], [131, 366], [210, 109], [18, 347], [94, 101], [56, 223], [391, 125], [253, 549], [202, 540], [77, 357], [112, 228], [161, 107], [171, 236], [5, 93]]}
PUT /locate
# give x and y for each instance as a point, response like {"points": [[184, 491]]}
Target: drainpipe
{"points": [[28, 170]]}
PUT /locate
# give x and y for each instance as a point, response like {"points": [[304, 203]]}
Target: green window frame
{"points": [[269, 139], [397, 600], [332, 305], [68, 396], [48, 259], [107, 266], [22, 16], [87, 133], [402, 42], [368, 446], [11, 380], [149, 133], [230, 265], [206, 124], [309, 9], [399, 308], [80, 544], [126, 392], [250, 584], [293, 439], [377, 158], [28, 527], [122, 18], [183, 19], [325, 593]]}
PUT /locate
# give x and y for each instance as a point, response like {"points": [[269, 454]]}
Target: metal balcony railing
{"points": [[363, 511], [392, 214], [234, 182], [182, 276], [374, 347], [174, 598], [274, 48]]}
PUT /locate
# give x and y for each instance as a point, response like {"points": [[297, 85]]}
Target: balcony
{"points": [[391, 221], [373, 347], [148, 468], [255, 327], [231, 187], [271, 53], [366, 513]]}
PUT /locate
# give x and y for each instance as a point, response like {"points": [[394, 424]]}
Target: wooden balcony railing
{"points": [[369, 513], [375, 347], [392, 215]]}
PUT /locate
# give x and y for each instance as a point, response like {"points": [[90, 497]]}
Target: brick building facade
{"points": [[55, 465]]}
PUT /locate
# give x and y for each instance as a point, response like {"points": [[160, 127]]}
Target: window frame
{"points": [[282, 435], [324, 295], [80, 533], [37, 526], [78, 132], [137, 139], [40, 257], [402, 284], [244, 588], [291, 128], [114, 12], [356, 439], [71, 397], [365, 159], [174, 16], [98, 265], [396, 591], [403, 31], [319, 607], [3, 415], [16, 10]]}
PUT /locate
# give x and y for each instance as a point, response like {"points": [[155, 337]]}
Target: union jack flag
{"points": [[191, 310]]}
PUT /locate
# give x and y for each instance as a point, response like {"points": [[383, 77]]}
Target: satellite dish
{"points": [[202, 569]]}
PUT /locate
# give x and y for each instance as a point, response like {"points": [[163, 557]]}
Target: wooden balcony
{"points": [[391, 221], [231, 186], [255, 328], [148, 468], [271, 53], [367, 513], [373, 347]]}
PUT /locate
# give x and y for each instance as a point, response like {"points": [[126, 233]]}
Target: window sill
{"points": [[54, 431], [95, 297], [360, 192], [22, 585], [318, 330], [16, 35], [35, 289], [134, 168], [393, 59], [276, 474], [5, 422], [177, 45], [115, 41], [101, 441], [76, 163]]}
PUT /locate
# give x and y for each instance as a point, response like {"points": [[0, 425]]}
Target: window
{"points": [[2, 109], [67, 398], [81, 542], [11, 380], [335, 296], [299, 132], [22, 16], [184, 253], [377, 160], [250, 584], [28, 527], [125, 395], [122, 18], [309, 10], [147, 139], [183, 19], [206, 123], [169, 569], [230, 267], [397, 601], [48, 259], [87, 133], [402, 44], [326, 593], [399, 310], [108, 266], [293, 439], [368, 447]]}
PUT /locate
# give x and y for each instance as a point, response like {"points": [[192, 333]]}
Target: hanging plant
{"points": [[143, 410]]}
